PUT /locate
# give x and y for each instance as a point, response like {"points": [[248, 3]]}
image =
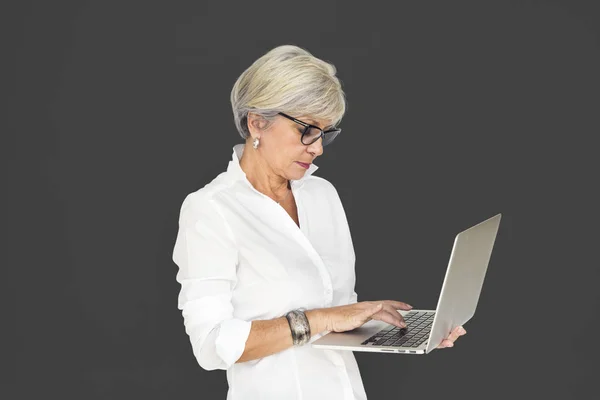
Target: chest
{"points": [[281, 265]]}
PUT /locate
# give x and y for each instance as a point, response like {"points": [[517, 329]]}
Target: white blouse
{"points": [[241, 257]]}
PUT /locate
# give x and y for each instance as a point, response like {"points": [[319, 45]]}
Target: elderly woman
{"points": [[265, 256]]}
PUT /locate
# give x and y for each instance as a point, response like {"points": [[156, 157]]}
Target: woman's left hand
{"points": [[449, 341]]}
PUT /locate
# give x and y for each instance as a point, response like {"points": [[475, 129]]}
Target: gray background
{"points": [[456, 111]]}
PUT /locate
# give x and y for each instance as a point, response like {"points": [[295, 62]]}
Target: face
{"points": [[281, 147]]}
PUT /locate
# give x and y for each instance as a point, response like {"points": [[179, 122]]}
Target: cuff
{"points": [[231, 341]]}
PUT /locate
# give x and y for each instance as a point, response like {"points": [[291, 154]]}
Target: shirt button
{"points": [[328, 291]]}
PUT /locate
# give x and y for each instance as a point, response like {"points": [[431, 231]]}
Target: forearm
{"points": [[274, 335]]}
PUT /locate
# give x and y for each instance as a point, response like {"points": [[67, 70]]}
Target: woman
{"points": [[265, 256]]}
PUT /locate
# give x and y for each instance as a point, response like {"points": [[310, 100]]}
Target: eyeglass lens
{"points": [[313, 134]]}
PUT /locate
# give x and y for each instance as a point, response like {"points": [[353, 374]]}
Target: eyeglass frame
{"points": [[307, 125]]}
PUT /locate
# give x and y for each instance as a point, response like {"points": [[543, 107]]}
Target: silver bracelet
{"points": [[299, 326]]}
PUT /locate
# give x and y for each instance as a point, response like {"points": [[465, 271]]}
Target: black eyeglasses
{"points": [[312, 133]]}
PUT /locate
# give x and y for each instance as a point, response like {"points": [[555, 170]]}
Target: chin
{"points": [[293, 177]]}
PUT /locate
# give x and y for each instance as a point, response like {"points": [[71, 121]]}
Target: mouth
{"points": [[304, 165]]}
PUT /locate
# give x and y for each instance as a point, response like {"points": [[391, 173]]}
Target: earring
{"points": [[255, 143]]}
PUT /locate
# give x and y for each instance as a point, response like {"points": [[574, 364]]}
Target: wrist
{"points": [[317, 318]]}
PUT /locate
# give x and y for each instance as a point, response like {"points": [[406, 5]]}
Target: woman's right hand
{"points": [[352, 316]]}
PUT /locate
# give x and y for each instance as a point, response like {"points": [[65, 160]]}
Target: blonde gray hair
{"points": [[291, 80]]}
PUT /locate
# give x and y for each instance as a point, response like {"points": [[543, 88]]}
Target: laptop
{"points": [[425, 329]]}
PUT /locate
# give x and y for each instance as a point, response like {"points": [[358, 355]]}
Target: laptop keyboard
{"points": [[418, 326]]}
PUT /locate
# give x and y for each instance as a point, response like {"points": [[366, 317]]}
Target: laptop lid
{"points": [[462, 284]]}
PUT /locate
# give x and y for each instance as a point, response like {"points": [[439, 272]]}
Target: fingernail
{"points": [[402, 325], [451, 345]]}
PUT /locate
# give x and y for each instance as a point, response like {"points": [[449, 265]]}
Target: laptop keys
{"points": [[419, 326]]}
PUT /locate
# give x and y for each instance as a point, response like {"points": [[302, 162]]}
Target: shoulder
{"points": [[320, 185], [324, 192], [201, 204]]}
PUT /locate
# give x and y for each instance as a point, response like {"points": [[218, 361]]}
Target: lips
{"points": [[305, 165]]}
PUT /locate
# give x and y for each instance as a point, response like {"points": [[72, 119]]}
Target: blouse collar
{"points": [[238, 173]]}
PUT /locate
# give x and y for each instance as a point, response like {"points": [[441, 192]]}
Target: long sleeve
{"points": [[206, 254]]}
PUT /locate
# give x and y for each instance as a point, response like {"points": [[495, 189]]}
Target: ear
{"points": [[256, 124]]}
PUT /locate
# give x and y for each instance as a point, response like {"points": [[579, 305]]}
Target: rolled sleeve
{"points": [[206, 254], [232, 338]]}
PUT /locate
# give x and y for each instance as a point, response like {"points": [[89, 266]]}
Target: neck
{"points": [[261, 175]]}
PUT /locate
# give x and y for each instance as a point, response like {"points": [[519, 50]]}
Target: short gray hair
{"points": [[291, 80]]}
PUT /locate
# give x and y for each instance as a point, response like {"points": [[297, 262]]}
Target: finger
{"points": [[385, 316], [397, 317], [445, 343], [399, 305], [453, 335], [456, 332], [394, 317], [388, 317]]}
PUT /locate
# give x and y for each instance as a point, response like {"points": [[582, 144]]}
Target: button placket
{"points": [[303, 238]]}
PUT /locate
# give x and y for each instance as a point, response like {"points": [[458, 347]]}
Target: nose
{"points": [[316, 148]]}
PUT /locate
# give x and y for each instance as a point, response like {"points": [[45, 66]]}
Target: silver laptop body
{"points": [[456, 305]]}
